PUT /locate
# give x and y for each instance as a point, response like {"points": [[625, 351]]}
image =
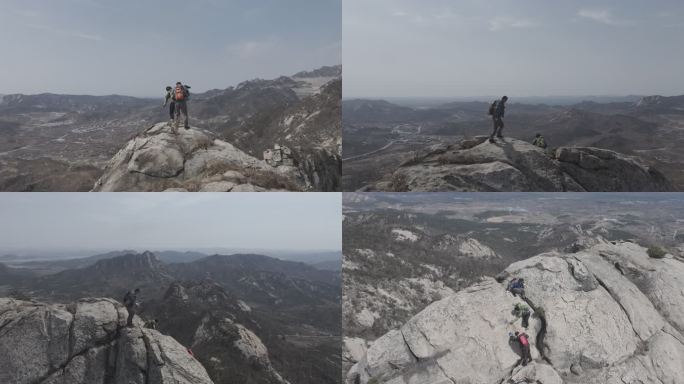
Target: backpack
{"points": [[180, 93], [127, 298], [492, 107], [523, 339], [522, 308]]}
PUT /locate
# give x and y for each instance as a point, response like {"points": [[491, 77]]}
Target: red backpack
{"points": [[523, 339], [179, 94]]}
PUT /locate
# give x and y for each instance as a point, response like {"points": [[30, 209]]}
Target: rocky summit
{"points": [[160, 159], [607, 314], [511, 165], [86, 342]]}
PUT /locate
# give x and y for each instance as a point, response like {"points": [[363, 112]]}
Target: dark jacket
{"points": [[500, 109], [130, 299]]}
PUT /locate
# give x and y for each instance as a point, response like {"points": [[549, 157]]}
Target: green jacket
{"points": [[521, 308], [539, 142]]}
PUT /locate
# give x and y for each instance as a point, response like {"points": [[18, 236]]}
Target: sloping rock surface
{"points": [[193, 160], [87, 343], [609, 314], [513, 165]]}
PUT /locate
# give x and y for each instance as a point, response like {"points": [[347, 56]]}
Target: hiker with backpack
{"points": [[130, 300], [169, 97], [524, 340], [522, 310], [497, 110], [181, 94], [517, 287], [539, 141]]}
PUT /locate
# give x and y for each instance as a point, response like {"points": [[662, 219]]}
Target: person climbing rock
{"points": [[522, 310], [151, 324], [130, 300], [539, 141], [497, 110], [517, 287], [181, 94], [172, 104], [524, 340]]}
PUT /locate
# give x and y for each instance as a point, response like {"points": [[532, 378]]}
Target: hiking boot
{"points": [[187, 127], [491, 140], [499, 136]]}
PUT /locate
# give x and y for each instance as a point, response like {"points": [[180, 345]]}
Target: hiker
{"points": [[517, 287], [539, 141], [524, 340], [169, 97], [181, 96], [497, 110], [131, 302], [522, 310], [152, 324]]}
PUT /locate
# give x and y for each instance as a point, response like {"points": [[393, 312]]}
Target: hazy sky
{"points": [[285, 221], [135, 47], [443, 48]]}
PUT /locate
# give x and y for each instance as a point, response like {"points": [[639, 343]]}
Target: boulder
{"points": [[160, 159], [87, 343], [510, 165]]}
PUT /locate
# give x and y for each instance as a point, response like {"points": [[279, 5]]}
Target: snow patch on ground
{"points": [[472, 247], [404, 235]]}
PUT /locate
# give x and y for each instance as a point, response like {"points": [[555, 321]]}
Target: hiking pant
{"points": [[182, 107], [525, 319], [172, 110], [518, 292], [498, 127], [527, 357], [131, 313]]}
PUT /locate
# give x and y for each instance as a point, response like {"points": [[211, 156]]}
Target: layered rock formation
{"points": [[513, 165], [609, 314], [193, 160], [87, 343]]}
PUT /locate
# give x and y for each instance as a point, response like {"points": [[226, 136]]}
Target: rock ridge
{"points": [[592, 323], [475, 164]]}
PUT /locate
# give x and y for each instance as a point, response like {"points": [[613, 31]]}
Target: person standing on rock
{"points": [[131, 302], [497, 110], [169, 97], [181, 96]]}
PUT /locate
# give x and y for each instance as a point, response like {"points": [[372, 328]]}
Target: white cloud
{"points": [[253, 48], [66, 32], [603, 16], [504, 22]]}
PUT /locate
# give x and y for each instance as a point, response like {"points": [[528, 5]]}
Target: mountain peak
{"points": [[130, 262], [192, 160]]}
